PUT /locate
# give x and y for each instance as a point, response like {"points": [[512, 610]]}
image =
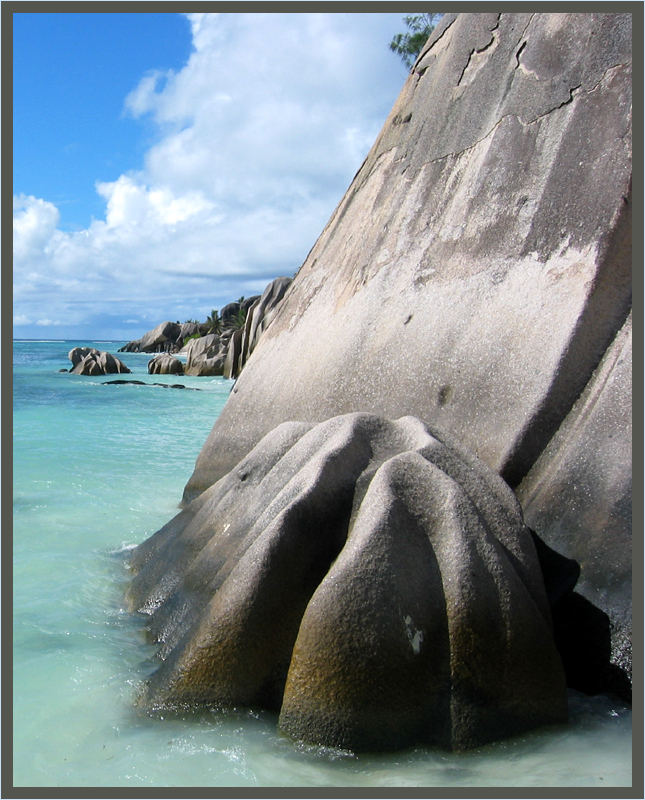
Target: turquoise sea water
{"points": [[97, 469]]}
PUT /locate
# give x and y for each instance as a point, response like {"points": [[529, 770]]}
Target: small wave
{"points": [[126, 547]]}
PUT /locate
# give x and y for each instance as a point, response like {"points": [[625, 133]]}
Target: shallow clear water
{"points": [[98, 469]]}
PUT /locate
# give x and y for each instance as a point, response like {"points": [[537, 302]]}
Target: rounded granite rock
{"points": [[368, 579], [90, 361], [165, 364]]}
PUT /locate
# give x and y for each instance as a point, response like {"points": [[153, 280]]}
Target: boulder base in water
{"points": [[374, 584]]}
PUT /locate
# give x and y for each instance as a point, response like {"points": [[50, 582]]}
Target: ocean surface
{"points": [[98, 469]]}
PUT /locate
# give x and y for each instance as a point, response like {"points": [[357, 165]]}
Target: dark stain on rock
{"points": [[399, 119], [445, 395]]}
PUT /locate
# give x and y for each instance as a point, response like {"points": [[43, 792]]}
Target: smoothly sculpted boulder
{"points": [[165, 364], [205, 355], [89, 361], [77, 354], [366, 578]]}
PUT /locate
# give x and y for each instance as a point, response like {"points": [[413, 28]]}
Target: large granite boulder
{"points": [[476, 271], [482, 251], [77, 354], [369, 580], [187, 329], [229, 312], [90, 361], [205, 355], [213, 366], [161, 339], [202, 346], [165, 364]]}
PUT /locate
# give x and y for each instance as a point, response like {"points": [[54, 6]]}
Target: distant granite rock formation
{"points": [[162, 339], [258, 318], [240, 325], [90, 361], [375, 585], [476, 276]]}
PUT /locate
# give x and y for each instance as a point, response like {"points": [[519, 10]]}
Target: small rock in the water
{"points": [[143, 383]]}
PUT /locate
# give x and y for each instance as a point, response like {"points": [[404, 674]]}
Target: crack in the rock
{"points": [[523, 34], [613, 68], [423, 53], [519, 53], [573, 93], [483, 49]]}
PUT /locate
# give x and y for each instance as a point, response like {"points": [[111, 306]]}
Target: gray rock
{"points": [[373, 583], [482, 250], [95, 362], [187, 329], [246, 304], [77, 354], [578, 497], [165, 364], [229, 312], [204, 356], [213, 366], [161, 339], [207, 346], [232, 365], [482, 253], [260, 315]]}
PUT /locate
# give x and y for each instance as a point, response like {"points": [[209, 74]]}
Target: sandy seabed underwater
{"points": [[98, 469]]}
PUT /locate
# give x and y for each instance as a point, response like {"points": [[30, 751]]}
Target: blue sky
{"points": [[72, 73], [165, 164]]}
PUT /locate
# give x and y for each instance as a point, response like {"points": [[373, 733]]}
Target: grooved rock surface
{"points": [[374, 583], [260, 315], [479, 264], [90, 361], [205, 355], [159, 339], [165, 364], [579, 494]]}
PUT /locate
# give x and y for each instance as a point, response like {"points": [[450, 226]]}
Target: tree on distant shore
{"points": [[408, 45], [213, 322]]}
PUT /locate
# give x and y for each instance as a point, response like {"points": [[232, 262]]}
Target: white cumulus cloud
{"points": [[258, 136]]}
